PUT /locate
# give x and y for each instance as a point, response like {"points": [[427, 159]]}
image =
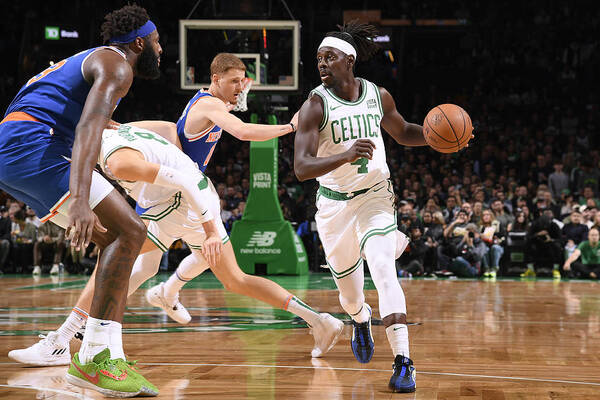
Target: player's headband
{"points": [[339, 44], [129, 37]]}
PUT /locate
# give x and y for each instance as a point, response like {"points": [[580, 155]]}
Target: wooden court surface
{"points": [[471, 340]]}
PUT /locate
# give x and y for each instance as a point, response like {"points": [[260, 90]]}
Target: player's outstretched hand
{"points": [[362, 148], [212, 248], [82, 222]]}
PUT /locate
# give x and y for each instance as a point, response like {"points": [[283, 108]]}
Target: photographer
{"points": [[468, 250]]}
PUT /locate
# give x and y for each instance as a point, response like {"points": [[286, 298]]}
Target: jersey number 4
{"points": [[362, 163]]}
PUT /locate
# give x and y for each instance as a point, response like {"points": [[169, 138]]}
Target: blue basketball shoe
{"points": [[403, 378], [362, 339]]}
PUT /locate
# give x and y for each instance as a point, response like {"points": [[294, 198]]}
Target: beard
{"points": [[147, 64]]}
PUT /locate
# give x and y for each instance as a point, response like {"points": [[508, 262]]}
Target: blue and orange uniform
{"points": [[198, 146], [38, 131]]}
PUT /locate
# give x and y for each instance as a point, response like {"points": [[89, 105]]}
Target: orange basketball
{"points": [[447, 128]]}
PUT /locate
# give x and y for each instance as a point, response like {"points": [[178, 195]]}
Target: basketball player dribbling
{"points": [[339, 142], [49, 143], [170, 220]]}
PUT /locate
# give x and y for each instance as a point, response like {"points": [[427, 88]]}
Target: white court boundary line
{"points": [[374, 370], [32, 387], [516, 378]]}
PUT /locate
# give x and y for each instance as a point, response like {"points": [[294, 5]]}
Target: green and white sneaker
{"points": [[109, 377], [148, 389]]}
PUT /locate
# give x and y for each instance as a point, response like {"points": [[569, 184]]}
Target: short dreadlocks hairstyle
{"points": [[360, 36], [122, 21]]}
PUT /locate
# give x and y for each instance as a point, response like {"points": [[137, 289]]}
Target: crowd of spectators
{"points": [[525, 194]]}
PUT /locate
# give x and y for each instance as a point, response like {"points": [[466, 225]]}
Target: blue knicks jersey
{"points": [[199, 146], [56, 96]]}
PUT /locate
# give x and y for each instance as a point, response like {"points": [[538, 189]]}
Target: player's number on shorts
{"points": [[362, 163], [45, 72], [148, 135]]}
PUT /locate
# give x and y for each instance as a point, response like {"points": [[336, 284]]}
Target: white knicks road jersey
{"points": [[155, 149], [343, 123]]}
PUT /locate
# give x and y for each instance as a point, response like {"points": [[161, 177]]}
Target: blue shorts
{"points": [[34, 165], [35, 168]]}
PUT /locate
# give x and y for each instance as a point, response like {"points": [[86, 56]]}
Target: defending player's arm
{"points": [[110, 76], [403, 132], [306, 163], [216, 111]]}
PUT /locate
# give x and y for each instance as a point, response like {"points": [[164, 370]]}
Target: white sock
{"points": [[398, 337], [189, 268], [145, 267], [116, 341], [191, 187], [96, 339], [301, 309], [72, 324]]}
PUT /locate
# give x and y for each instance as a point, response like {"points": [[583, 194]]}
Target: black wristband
{"points": [[293, 127]]}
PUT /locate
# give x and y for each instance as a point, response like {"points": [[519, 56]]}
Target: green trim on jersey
{"points": [[325, 109], [378, 99], [165, 212], [351, 103]]}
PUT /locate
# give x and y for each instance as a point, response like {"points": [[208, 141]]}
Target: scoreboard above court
{"points": [[270, 50]]}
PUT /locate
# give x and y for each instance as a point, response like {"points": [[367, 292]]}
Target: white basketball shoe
{"points": [[176, 311], [326, 332], [47, 352]]}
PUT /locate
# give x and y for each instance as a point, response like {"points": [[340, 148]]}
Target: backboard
{"points": [[270, 50]]}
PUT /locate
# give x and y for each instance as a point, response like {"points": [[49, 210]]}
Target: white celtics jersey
{"points": [[343, 123], [155, 149]]}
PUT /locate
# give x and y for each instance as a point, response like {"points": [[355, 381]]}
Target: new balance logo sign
{"points": [[262, 239], [58, 352]]}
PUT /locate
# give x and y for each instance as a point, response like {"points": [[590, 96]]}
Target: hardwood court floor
{"points": [[472, 340]]}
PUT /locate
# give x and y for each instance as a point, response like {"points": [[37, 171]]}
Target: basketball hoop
{"points": [[242, 103]]}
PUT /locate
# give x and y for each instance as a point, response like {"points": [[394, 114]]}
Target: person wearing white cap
{"points": [[339, 142]]}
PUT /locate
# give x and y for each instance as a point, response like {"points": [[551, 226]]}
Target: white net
{"points": [[242, 102]]}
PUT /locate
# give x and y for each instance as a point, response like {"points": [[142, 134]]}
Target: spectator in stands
{"points": [[567, 203], [477, 212], [558, 180], [48, 248], [412, 260], [5, 231], [23, 237], [543, 243], [451, 209], [31, 218], [588, 194], [575, 231], [493, 236], [502, 217], [589, 250]]}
